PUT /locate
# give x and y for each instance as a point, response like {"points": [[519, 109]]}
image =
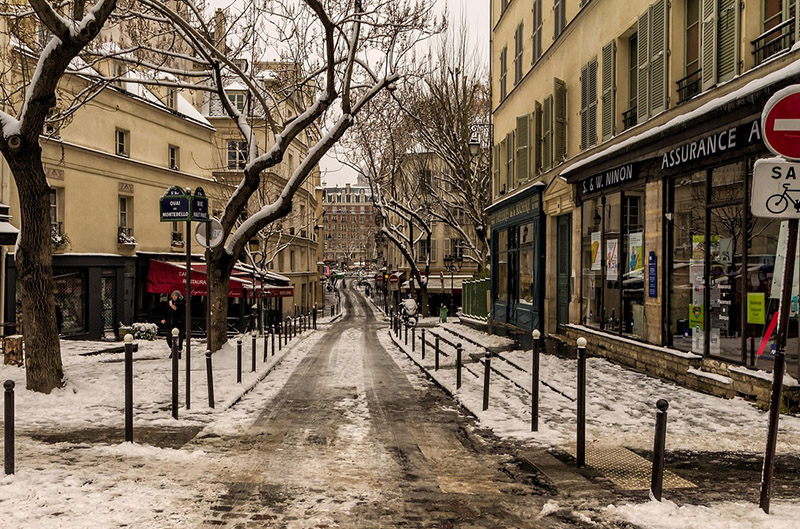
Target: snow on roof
{"points": [[755, 85]]}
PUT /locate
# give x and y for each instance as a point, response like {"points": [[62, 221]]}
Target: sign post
{"points": [[774, 196]]}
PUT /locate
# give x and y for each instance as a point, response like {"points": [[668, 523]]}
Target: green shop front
{"points": [[517, 297]]}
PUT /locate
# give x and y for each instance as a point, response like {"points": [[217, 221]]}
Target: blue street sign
{"points": [[199, 205], [175, 205]]}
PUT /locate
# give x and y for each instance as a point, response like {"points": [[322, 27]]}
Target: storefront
{"points": [[517, 261]]}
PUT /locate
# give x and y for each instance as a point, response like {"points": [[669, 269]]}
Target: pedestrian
{"points": [[175, 316]]}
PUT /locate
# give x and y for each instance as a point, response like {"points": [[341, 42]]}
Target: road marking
{"points": [[787, 125]]}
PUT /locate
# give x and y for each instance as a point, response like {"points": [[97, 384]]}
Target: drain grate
{"points": [[627, 470]]}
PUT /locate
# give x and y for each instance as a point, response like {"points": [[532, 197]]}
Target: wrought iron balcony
{"points": [[629, 118], [689, 86], [774, 41]]}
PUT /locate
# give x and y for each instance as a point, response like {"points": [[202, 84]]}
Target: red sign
{"points": [[393, 279], [780, 122], [379, 278]]}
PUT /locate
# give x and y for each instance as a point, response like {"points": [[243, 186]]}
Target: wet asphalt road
{"points": [[354, 441]]}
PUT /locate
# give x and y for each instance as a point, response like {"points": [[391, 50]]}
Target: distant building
{"points": [[349, 225]]}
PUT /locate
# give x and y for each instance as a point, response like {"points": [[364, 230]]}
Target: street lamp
{"points": [[453, 263]]}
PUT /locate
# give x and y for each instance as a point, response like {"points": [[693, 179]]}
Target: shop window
{"points": [[527, 262], [633, 284], [68, 287], [501, 243], [592, 259]]}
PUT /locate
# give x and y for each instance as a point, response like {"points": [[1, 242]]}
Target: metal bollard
{"points": [[413, 339], [458, 366], [266, 349], [423, 344], [128, 388], [405, 334], [436, 356], [772, 431], [331, 311], [272, 339], [314, 317], [535, 382], [238, 360], [487, 363], [659, 445], [8, 425], [254, 337], [210, 379], [294, 327], [581, 440], [279, 338], [174, 373]]}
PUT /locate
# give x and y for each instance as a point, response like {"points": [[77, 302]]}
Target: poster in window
{"points": [[635, 243], [612, 259], [596, 255]]}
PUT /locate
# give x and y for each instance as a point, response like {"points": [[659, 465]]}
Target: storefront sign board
{"points": [[717, 143], [612, 177], [776, 189], [524, 208], [652, 275], [756, 308], [780, 121]]}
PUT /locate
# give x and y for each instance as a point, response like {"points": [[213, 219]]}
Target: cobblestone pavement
{"points": [[351, 441]]}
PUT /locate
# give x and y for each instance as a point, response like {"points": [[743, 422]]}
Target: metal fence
{"points": [[475, 302]]}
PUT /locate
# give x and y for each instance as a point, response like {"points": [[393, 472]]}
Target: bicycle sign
{"points": [[776, 189]]}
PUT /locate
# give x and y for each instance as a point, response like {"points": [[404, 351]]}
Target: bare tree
{"points": [[44, 38]]}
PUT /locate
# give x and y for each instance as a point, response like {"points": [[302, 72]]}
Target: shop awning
{"points": [[271, 291], [438, 286], [164, 277]]}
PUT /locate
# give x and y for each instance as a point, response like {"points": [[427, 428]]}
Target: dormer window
{"points": [[170, 99], [237, 99]]}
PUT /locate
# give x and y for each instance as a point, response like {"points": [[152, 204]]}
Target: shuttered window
{"points": [[547, 133], [608, 89], [643, 68], [719, 35], [503, 72], [559, 18], [536, 46], [652, 43], [518, 55], [560, 118], [589, 104], [509, 161], [523, 148], [497, 163], [433, 251], [537, 138]]}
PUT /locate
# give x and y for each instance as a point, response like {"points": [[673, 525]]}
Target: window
{"points": [[547, 133], [237, 100], [527, 264], [536, 45], [589, 104], [559, 120], [170, 99], [719, 41], [689, 85], [237, 154], [778, 29], [509, 141], [559, 18], [174, 157], [651, 56], [122, 142], [53, 207], [629, 116], [518, 55], [125, 226], [503, 72], [423, 249], [523, 148]]}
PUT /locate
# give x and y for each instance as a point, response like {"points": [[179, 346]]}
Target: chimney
{"points": [[220, 28]]}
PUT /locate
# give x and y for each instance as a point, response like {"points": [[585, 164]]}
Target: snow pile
{"points": [[725, 515]]}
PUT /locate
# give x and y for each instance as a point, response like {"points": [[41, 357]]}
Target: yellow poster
{"points": [[756, 308]]}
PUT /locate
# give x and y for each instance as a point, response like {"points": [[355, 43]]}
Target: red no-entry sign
{"points": [[393, 279], [780, 122]]}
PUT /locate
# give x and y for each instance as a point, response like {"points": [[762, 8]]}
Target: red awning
{"points": [[271, 291], [164, 277]]}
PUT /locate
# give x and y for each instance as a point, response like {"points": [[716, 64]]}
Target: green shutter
{"points": [[497, 170], [559, 120], [501, 188], [584, 106], [547, 133], [708, 43], [537, 138], [523, 147], [609, 72], [658, 56], [643, 68], [509, 182], [591, 111], [727, 40]]}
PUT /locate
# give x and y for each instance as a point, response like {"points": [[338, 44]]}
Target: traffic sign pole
{"points": [[189, 308]]}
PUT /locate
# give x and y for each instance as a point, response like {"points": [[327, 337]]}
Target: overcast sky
{"points": [[476, 15]]}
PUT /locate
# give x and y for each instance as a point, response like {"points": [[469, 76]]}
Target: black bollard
{"points": [[210, 379], [8, 424], [772, 431], [405, 334], [174, 373], [659, 445], [314, 317], [272, 339], [436, 356], [423, 344], [238, 360], [128, 388], [331, 311], [581, 441], [413, 339], [266, 349], [253, 352], [279, 338], [535, 382], [458, 366], [487, 366]]}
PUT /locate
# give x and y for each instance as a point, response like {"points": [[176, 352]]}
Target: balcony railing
{"points": [[774, 41], [689, 86], [629, 118]]}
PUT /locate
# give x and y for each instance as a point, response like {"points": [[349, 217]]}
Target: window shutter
{"points": [[708, 43], [658, 56], [497, 169], [727, 39], [559, 120], [510, 161], [557, 7], [584, 106], [795, 12], [501, 172], [537, 138], [547, 133], [433, 250], [643, 69], [609, 72], [523, 147], [447, 249], [591, 135]]}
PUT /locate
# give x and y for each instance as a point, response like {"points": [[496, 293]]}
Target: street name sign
{"points": [[199, 205], [175, 205], [780, 122]]}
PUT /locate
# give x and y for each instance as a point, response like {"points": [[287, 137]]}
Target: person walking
{"points": [[175, 316]]}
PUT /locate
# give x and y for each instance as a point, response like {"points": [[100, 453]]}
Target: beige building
{"points": [[349, 220], [625, 134]]}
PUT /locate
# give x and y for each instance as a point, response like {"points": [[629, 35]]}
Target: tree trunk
{"points": [[220, 269], [34, 263], [424, 295]]}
